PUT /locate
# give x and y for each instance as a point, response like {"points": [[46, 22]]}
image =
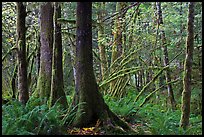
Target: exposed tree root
{"points": [[113, 121], [108, 120]]}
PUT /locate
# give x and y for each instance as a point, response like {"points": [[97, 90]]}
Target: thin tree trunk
{"points": [[57, 84], [116, 39], [102, 51], [22, 59], [167, 72], [38, 56], [73, 56], [117, 48], [13, 81], [186, 94], [166, 60], [123, 5]]}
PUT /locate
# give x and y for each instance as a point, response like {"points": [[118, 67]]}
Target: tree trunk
{"points": [[46, 39], [186, 94], [117, 49], [38, 56], [117, 39], [13, 81], [166, 59], [22, 59], [123, 21], [57, 84], [86, 87], [167, 72], [91, 105], [102, 50]]}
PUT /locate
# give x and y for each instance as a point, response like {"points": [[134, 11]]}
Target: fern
{"points": [[34, 119]]}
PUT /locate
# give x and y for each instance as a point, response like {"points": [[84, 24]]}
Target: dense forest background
{"points": [[102, 68]]}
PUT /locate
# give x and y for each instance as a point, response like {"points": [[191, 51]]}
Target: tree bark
{"points": [[57, 83], [166, 59], [86, 86], [22, 59], [13, 81], [117, 48], [167, 72], [38, 56], [102, 50], [46, 48], [91, 105], [186, 94]]}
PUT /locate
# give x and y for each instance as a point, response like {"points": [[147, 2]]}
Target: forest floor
{"points": [[98, 130], [153, 118], [168, 124]]}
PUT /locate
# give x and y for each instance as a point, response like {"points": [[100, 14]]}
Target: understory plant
{"points": [[34, 119], [153, 118], [164, 121]]}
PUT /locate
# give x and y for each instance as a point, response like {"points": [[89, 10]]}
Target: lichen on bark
{"points": [[46, 39]]}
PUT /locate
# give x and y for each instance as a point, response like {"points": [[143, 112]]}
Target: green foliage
{"points": [[139, 47], [196, 101], [122, 106], [154, 119], [34, 119], [164, 121]]}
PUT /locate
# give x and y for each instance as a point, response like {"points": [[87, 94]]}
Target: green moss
{"points": [[44, 84]]}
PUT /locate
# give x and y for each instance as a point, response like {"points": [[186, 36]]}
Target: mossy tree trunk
{"points": [[101, 41], [91, 103], [119, 39], [186, 94], [46, 39], [86, 86], [124, 23], [22, 59], [57, 84]]}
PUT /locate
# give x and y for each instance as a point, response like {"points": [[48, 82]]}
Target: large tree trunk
{"points": [[186, 94], [86, 86], [91, 105], [22, 59], [46, 39], [57, 84]]}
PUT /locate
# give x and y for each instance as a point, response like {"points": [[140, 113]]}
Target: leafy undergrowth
{"points": [[160, 121], [151, 119], [34, 119]]}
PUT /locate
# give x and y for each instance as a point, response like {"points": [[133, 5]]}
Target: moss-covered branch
{"points": [[150, 95], [148, 84]]}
